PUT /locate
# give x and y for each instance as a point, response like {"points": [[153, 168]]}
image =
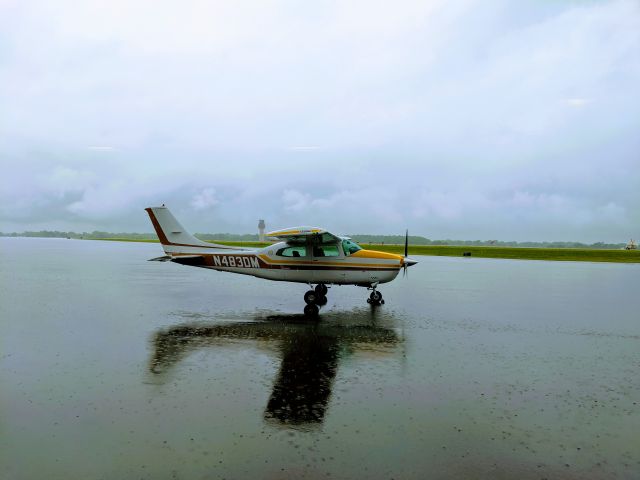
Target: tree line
{"points": [[371, 239]]}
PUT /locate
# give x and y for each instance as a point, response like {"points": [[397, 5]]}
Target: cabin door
{"points": [[328, 261]]}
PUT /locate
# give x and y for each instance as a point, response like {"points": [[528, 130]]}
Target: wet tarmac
{"points": [[115, 367]]}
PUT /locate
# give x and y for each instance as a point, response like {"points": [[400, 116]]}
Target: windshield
{"points": [[350, 246]]}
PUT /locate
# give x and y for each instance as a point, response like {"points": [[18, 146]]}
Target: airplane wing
{"points": [[300, 233], [193, 260]]}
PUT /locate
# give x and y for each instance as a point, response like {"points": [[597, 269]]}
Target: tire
{"points": [[311, 310], [321, 300], [321, 289], [375, 296], [310, 297]]}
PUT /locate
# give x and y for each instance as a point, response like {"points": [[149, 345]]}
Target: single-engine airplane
{"points": [[304, 255]]}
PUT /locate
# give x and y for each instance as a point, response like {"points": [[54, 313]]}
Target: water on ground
{"points": [[115, 367]]}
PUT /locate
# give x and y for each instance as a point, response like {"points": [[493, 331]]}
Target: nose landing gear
{"points": [[375, 299]]}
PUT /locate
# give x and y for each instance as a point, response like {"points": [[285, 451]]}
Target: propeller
{"points": [[406, 243], [406, 261]]}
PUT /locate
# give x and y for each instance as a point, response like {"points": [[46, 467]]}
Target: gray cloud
{"points": [[474, 120]]}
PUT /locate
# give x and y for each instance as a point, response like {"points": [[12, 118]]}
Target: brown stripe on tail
{"points": [[161, 236]]}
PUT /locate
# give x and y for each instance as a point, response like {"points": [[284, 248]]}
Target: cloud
{"points": [[453, 118], [368, 208], [578, 102], [62, 180], [305, 148], [295, 201], [103, 201], [100, 148], [205, 199]]}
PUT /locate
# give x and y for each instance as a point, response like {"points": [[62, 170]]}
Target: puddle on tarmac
{"points": [[114, 367]]}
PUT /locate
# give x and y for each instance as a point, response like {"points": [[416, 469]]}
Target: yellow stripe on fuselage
{"points": [[376, 254], [331, 264]]}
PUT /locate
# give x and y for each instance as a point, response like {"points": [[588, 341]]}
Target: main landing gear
{"points": [[315, 299]]}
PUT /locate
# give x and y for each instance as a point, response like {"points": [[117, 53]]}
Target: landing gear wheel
{"points": [[311, 310], [310, 297], [375, 298], [321, 289], [321, 300]]}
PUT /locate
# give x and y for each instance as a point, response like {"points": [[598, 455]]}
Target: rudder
{"points": [[170, 231]]}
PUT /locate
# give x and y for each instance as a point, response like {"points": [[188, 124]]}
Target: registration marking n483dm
{"points": [[235, 261]]}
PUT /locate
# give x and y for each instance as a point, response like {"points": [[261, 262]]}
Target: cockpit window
{"points": [[350, 247], [294, 251]]}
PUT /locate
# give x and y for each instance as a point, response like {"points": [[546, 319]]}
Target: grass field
{"points": [[519, 253], [515, 253]]}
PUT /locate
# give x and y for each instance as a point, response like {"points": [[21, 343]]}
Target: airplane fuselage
{"points": [[364, 267]]}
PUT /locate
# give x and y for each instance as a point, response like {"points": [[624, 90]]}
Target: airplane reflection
{"points": [[311, 352]]}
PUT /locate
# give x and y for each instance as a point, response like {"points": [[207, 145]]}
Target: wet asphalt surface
{"points": [[115, 367]]}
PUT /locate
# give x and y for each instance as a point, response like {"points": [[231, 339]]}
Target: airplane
{"points": [[308, 255]]}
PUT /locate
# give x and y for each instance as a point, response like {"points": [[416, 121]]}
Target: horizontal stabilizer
{"points": [[164, 258], [193, 260]]}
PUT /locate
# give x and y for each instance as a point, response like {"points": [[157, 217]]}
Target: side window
{"points": [[295, 251], [326, 251]]}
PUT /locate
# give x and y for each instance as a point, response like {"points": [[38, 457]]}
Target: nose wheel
{"points": [[375, 298]]}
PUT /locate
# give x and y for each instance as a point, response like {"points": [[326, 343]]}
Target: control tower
{"points": [[261, 227]]}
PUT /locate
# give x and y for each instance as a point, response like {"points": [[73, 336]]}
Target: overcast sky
{"points": [[457, 119]]}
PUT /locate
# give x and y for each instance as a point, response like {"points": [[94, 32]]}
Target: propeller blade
{"points": [[406, 253], [406, 243]]}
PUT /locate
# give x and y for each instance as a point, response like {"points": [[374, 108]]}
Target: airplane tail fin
{"points": [[172, 235]]}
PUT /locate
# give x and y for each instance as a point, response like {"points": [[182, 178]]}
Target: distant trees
{"points": [[86, 235], [372, 239], [417, 240]]}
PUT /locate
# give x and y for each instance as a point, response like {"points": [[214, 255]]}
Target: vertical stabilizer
{"points": [[170, 232]]}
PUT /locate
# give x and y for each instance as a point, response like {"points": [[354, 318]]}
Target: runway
{"points": [[115, 367]]}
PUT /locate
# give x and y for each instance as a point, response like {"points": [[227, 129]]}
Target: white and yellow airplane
{"points": [[304, 254]]}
